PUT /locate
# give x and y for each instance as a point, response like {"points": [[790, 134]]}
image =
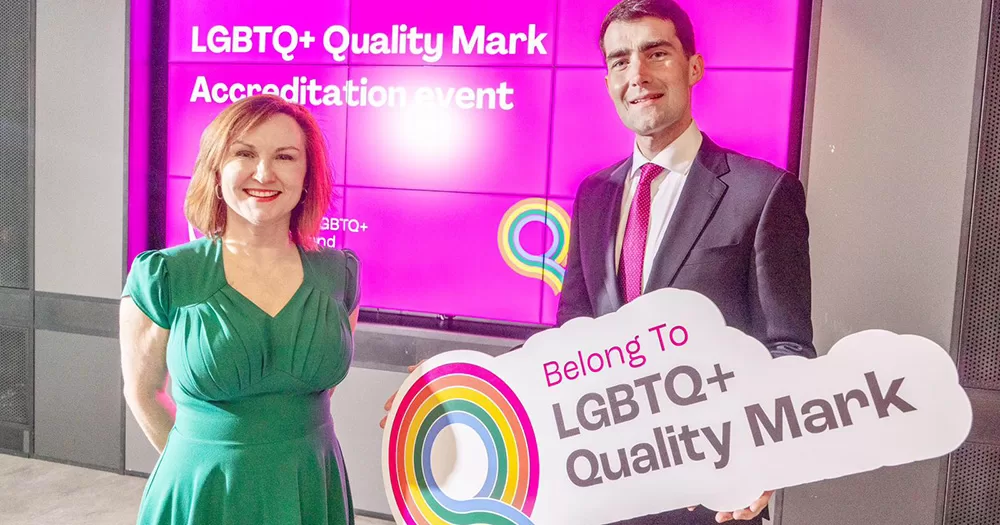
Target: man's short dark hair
{"points": [[628, 10]]}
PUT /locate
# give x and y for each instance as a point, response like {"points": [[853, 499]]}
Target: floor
{"points": [[35, 492]]}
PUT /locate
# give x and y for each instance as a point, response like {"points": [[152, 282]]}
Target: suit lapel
{"points": [[604, 258], [698, 200]]}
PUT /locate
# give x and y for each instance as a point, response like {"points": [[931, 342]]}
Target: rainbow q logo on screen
{"points": [[469, 396], [548, 266]]}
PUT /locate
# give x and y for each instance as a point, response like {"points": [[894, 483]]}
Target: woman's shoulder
{"points": [[193, 253], [337, 269], [327, 257], [158, 281], [185, 271]]}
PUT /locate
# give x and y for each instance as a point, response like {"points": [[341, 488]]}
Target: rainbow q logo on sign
{"points": [[548, 266], [469, 396]]}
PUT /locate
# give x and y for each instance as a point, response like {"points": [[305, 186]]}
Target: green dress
{"points": [[253, 440]]}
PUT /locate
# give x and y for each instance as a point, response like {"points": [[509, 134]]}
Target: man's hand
{"points": [[388, 402], [747, 513]]}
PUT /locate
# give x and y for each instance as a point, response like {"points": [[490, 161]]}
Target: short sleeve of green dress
{"points": [[147, 284], [253, 440]]}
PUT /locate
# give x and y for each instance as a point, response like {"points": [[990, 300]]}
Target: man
{"points": [[682, 212]]}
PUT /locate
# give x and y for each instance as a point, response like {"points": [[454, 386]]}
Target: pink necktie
{"points": [[636, 232]]}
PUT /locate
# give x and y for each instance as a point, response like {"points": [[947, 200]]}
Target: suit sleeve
{"points": [[574, 301], [781, 277]]}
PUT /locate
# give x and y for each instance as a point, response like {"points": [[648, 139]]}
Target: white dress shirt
{"points": [[676, 161]]}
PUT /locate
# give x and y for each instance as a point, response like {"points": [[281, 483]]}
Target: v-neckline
{"points": [[220, 260]]}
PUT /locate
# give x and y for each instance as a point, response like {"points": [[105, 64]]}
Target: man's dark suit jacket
{"points": [[738, 235]]}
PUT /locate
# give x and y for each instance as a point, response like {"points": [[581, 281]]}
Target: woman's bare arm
{"points": [[144, 369]]}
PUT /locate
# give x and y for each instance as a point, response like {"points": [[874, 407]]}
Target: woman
{"points": [[254, 325]]}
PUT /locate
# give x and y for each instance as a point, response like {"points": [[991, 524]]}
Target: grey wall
{"points": [[80, 146], [79, 219], [81, 422], [357, 408], [887, 163]]}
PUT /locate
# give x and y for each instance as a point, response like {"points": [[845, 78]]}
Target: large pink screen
{"points": [[456, 200]]}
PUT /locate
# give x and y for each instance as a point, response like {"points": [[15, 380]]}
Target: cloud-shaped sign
{"points": [[655, 407]]}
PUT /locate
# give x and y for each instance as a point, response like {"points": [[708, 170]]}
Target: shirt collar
{"points": [[677, 157]]}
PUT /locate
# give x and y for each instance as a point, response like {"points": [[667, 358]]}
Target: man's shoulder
{"points": [[753, 173]]}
